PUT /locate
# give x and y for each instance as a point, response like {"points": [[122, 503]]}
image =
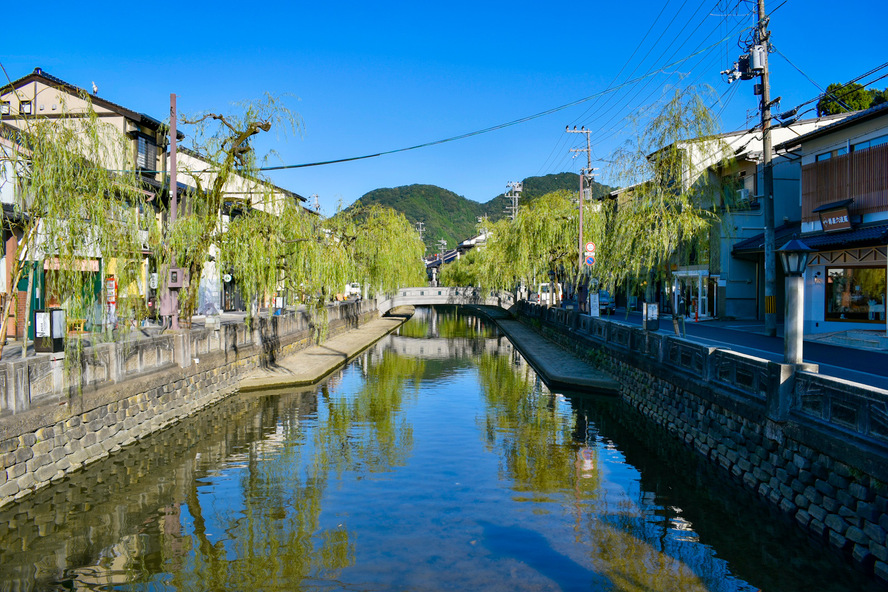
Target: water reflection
{"points": [[437, 460]]}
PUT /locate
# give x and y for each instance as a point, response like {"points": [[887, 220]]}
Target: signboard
{"points": [[41, 324], [594, 304], [837, 219], [111, 290], [590, 247], [590, 259]]}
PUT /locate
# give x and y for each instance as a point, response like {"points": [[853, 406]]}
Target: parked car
{"points": [[606, 304]]}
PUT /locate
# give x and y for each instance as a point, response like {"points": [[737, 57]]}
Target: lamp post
{"points": [[794, 256]]}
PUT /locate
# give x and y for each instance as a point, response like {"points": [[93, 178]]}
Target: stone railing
{"points": [[48, 379], [780, 392], [440, 295]]}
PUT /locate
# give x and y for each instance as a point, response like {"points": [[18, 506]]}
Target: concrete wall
{"points": [[55, 420], [813, 446]]}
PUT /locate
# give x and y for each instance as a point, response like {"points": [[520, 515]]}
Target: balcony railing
{"points": [[861, 175]]}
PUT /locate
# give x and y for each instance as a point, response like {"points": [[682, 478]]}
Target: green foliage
{"points": [[445, 215], [385, 249], [843, 98], [671, 197], [665, 212], [70, 209], [453, 217]]}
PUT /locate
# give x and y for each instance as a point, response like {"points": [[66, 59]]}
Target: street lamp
{"points": [[794, 256]]}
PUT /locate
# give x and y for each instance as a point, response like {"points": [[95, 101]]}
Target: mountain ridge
{"points": [[453, 218]]}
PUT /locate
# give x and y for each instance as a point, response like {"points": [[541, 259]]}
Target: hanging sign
{"points": [[111, 290], [836, 219]]}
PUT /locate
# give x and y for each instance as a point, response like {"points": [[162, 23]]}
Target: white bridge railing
{"points": [[428, 296]]}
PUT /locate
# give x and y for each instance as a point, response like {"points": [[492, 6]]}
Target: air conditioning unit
{"points": [[743, 195]]}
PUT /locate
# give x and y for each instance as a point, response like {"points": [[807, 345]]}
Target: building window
{"points": [[4, 108], [146, 155], [855, 294], [26, 108], [830, 154], [869, 143]]}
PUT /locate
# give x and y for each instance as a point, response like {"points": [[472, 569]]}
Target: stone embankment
{"points": [[56, 418], [813, 446]]}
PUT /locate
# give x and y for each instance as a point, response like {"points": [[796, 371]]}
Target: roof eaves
{"points": [[846, 121]]}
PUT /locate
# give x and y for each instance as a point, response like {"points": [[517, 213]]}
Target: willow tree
{"points": [[670, 198], [224, 171], [385, 249], [543, 236], [70, 210]]}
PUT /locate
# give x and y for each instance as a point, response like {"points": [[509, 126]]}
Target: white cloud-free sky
{"points": [[369, 77]]}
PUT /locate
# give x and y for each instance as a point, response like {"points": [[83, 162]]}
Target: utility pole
{"points": [[174, 206], [515, 189], [316, 202], [753, 64], [770, 261], [420, 227], [585, 183]]}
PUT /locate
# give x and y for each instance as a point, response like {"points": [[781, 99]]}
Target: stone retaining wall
{"points": [[813, 446], [50, 427]]}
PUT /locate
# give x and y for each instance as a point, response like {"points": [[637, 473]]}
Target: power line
{"points": [[493, 127]]}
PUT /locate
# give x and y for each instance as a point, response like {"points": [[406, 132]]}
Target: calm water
{"points": [[435, 461]]}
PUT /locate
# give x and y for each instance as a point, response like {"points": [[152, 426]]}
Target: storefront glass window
{"points": [[855, 294]]}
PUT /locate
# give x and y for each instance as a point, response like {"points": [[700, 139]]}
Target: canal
{"points": [[437, 460]]}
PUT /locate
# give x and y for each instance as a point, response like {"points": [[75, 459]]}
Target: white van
{"points": [[543, 294]]}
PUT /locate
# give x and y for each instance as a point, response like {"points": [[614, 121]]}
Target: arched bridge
{"points": [[428, 296]]}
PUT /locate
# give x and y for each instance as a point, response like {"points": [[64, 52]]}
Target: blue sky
{"points": [[372, 77]]}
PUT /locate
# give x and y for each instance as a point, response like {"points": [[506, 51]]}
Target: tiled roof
{"points": [[782, 234], [872, 234], [54, 80], [871, 113]]}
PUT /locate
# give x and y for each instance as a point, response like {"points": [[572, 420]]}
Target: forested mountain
{"points": [[454, 218]]}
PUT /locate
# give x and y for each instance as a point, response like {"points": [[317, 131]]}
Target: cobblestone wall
{"points": [[54, 436], [759, 422]]}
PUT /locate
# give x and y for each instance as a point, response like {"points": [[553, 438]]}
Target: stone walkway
{"points": [[559, 368], [310, 365]]}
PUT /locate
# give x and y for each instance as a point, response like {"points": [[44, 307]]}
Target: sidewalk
{"points": [[869, 340], [311, 365]]}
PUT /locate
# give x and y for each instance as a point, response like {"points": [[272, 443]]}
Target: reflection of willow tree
{"points": [[632, 560], [535, 441], [538, 453], [368, 430], [274, 540], [414, 328], [452, 325]]}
